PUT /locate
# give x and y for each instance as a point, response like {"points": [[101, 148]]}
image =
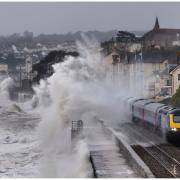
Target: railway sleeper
{"points": [[156, 167]]}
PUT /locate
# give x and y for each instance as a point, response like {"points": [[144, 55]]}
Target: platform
{"points": [[106, 159]]}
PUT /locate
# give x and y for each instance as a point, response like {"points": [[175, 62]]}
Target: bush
{"points": [[176, 98], [166, 101]]}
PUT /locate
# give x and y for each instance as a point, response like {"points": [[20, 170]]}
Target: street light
{"points": [[177, 35]]}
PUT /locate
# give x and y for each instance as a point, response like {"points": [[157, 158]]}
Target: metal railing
{"points": [[76, 129]]}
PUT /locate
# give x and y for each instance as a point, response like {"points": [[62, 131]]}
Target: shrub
{"points": [[176, 98]]}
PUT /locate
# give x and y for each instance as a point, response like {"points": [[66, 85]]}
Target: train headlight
{"points": [[174, 129]]}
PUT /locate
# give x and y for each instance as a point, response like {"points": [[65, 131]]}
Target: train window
{"points": [[176, 118]]}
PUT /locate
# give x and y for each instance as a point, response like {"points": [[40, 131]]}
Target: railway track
{"points": [[161, 165], [163, 160]]}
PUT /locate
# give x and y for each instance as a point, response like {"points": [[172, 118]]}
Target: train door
{"points": [[164, 120]]}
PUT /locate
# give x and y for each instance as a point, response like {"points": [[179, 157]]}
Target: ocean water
{"points": [[19, 147]]}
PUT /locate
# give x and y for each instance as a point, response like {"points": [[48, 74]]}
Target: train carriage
{"points": [[128, 105], [151, 114], [138, 109]]}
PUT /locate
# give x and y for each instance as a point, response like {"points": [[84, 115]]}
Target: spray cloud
{"points": [[79, 86]]}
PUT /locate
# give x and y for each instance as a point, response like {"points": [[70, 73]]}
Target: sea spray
{"points": [[77, 87], [5, 86]]}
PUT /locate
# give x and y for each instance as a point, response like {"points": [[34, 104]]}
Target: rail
{"points": [[170, 164]]}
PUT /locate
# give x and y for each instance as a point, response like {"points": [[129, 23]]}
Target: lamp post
{"points": [[20, 77], [177, 35]]}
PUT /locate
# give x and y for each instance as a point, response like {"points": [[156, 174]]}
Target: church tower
{"points": [[156, 26]]}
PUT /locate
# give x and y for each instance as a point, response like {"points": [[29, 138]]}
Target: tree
{"points": [[176, 98]]}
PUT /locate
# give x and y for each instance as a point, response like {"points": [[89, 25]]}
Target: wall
{"points": [[4, 67], [175, 81]]}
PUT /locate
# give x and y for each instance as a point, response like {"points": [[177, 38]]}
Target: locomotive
{"points": [[156, 116]]}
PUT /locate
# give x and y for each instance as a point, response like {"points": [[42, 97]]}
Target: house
{"points": [[161, 37], [127, 41], [28, 67], [144, 63], [175, 73], [3, 67], [146, 74]]}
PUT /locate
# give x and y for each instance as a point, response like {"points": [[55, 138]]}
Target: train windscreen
{"points": [[177, 119]]}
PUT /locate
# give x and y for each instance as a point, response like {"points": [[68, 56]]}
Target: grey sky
{"points": [[63, 17]]}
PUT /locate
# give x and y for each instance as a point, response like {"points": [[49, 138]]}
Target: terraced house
{"points": [[146, 62]]}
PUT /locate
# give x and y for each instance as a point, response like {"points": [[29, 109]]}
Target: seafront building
{"points": [[146, 62]]}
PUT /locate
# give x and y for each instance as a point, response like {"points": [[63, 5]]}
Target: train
{"points": [[156, 116]]}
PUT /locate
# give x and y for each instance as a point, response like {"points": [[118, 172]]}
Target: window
{"points": [[178, 76], [176, 119]]}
